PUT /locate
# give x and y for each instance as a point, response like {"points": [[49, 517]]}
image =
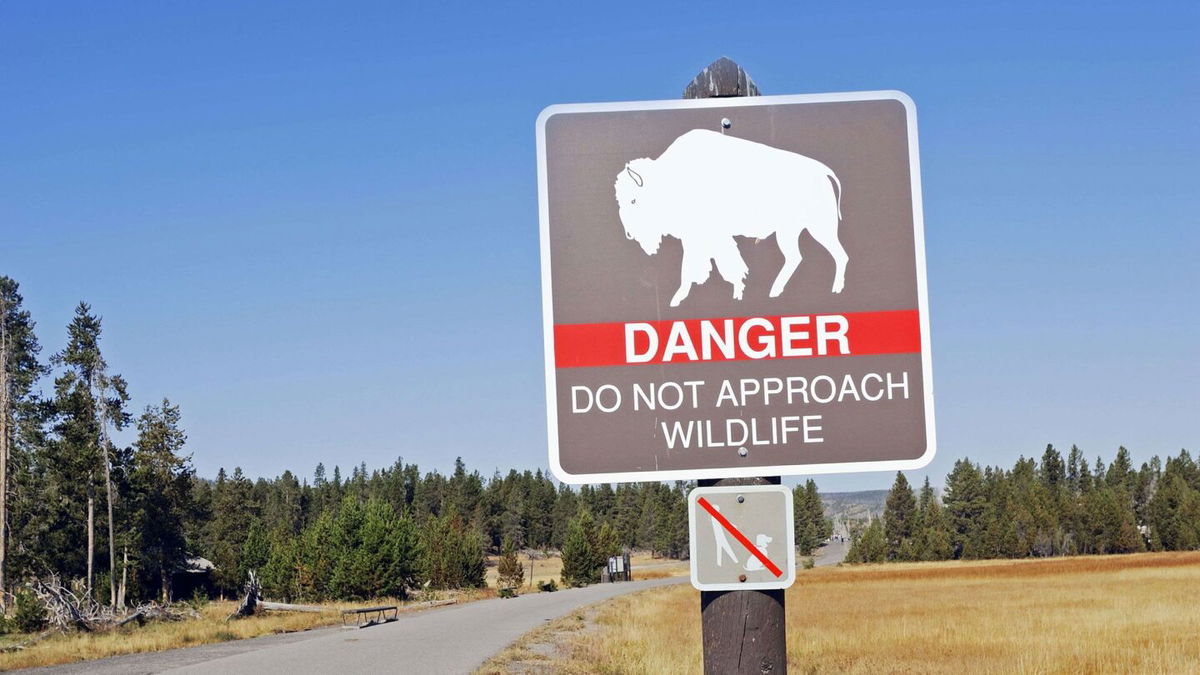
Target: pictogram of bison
{"points": [[707, 188]]}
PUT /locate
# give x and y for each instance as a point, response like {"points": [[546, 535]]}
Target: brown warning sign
{"points": [[734, 287]]}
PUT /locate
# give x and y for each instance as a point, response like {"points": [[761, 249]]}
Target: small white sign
{"points": [[742, 537]]}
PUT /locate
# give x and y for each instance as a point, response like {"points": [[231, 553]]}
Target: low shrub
{"points": [[199, 599], [30, 615]]}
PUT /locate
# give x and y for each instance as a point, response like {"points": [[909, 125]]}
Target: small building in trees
{"points": [[196, 575]]}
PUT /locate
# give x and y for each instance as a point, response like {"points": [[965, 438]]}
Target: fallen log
{"points": [[433, 603], [138, 616], [29, 642], [287, 607]]}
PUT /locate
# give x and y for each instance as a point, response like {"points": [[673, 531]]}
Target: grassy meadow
{"points": [[1097, 614], [212, 626], [155, 636]]}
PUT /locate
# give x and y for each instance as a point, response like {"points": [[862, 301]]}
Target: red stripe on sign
{"points": [[737, 534], [582, 345]]}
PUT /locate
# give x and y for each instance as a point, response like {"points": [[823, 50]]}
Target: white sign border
{"points": [[790, 569], [743, 471]]}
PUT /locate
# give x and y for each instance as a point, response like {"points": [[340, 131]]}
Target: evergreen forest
{"points": [[120, 521]]}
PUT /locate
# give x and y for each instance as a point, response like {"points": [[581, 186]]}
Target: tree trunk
{"points": [[124, 571], [102, 440], [112, 545], [4, 405], [91, 536]]}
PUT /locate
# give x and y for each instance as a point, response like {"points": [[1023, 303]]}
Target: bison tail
{"points": [[838, 185]]}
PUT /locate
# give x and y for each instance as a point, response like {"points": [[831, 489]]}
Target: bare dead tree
{"points": [[5, 404], [100, 385], [251, 597], [67, 610]]}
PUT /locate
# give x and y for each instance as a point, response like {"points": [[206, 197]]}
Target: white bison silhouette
{"points": [[707, 188]]}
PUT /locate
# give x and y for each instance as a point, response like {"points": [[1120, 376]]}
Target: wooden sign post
{"points": [[744, 631], [718, 380]]}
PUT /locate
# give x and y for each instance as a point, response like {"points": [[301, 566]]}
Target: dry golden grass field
{"points": [[156, 636], [1111, 614], [212, 626]]}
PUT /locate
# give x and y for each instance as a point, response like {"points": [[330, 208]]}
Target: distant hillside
{"points": [[846, 506]]}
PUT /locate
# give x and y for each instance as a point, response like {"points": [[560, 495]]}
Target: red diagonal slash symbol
{"points": [[737, 534]]}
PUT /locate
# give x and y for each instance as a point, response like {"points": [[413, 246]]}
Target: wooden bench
{"points": [[370, 616]]}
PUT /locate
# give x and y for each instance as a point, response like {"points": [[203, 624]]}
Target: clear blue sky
{"points": [[314, 225]]}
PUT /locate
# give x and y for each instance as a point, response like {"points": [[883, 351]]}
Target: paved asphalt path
{"points": [[453, 639], [831, 554]]}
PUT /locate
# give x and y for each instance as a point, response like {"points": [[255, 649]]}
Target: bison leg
{"points": [[789, 245], [829, 239], [694, 270], [731, 266]]}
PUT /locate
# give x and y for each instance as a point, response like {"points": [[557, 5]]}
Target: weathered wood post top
{"points": [[721, 79]]}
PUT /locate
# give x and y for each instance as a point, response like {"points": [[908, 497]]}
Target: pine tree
{"points": [[315, 559], [511, 572], [160, 499], [452, 553], [540, 510], [566, 505], [607, 544], [1174, 511], [806, 535], [900, 510], [389, 545], [934, 536], [627, 514], [578, 556], [1120, 472], [1060, 500], [511, 522], [816, 512], [284, 506], [996, 536], [233, 509], [811, 525], [19, 411], [1145, 484], [1054, 471], [965, 504], [868, 545], [346, 579], [473, 558], [279, 573], [256, 550], [88, 400], [671, 526]]}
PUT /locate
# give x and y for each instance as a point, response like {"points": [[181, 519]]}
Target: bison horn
{"points": [[637, 177]]}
